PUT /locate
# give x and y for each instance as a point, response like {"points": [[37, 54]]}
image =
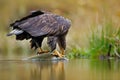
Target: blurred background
{"points": [[86, 16]]}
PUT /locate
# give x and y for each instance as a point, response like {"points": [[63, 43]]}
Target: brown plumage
{"points": [[38, 25]]}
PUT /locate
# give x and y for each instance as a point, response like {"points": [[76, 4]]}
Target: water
{"points": [[80, 69]]}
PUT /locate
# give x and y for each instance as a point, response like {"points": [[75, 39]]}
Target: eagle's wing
{"points": [[45, 24]]}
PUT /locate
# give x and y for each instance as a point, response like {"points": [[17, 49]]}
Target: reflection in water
{"points": [[106, 69], [109, 64], [48, 71], [82, 69]]}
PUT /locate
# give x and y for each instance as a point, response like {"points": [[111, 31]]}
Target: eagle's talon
{"points": [[39, 53], [60, 56], [42, 52], [57, 54]]}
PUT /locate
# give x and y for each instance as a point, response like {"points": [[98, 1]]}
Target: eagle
{"points": [[40, 24]]}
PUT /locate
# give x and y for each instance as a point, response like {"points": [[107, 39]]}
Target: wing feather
{"points": [[45, 24]]}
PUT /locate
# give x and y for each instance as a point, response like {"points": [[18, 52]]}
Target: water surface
{"points": [[80, 69]]}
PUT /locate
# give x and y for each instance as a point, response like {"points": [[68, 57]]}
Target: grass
{"points": [[104, 40], [101, 40]]}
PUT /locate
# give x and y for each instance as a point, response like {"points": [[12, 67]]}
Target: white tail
{"points": [[15, 32]]}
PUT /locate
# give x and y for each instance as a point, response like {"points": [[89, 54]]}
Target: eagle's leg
{"points": [[62, 44], [62, 51], [36, 42], [52, 44]]}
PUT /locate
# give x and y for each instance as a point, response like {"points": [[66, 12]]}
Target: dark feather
{"points": [[33, 44], [36, 42], [46, 24], [23, 36]]}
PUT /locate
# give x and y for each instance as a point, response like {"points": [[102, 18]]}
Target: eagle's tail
{"points": [[15, 32]]}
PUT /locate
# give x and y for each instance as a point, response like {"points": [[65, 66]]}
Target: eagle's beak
{"points": [[15, 32]]}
